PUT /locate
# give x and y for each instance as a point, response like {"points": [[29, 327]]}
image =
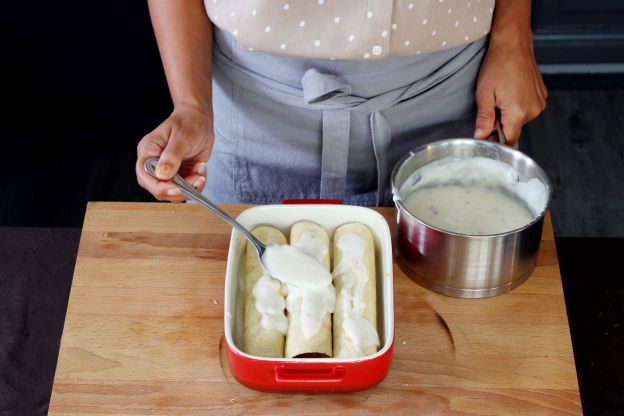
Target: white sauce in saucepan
{"points": [[354, 278], [476, 196], [298, 267], [473, 210]]}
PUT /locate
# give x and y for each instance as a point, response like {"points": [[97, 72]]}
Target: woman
{"points": [[320, 98]]}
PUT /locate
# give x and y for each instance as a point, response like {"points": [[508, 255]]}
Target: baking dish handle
{"points": [[333, 374], [312, 201]]}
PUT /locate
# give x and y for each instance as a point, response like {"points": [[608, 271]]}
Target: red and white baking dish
{"points": [[310, 374]]}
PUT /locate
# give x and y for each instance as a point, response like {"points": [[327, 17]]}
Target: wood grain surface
{"points": [[144, 333]]}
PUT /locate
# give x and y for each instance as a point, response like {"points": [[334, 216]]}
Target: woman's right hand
{"points": [[183, 143]]}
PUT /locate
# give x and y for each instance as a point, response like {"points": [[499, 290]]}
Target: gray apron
{"points": [[289, 127]]}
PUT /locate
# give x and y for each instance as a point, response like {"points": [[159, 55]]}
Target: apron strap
{"points": [[382, 136], [334, 153]]}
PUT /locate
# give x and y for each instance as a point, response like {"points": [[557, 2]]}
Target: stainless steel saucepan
{"points": [[459, 265]]}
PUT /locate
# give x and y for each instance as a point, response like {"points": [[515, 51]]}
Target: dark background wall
{"points": [[584, 35], [82, 84]]}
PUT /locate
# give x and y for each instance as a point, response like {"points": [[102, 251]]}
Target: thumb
{"points": [[486, 114], [171, 158]]}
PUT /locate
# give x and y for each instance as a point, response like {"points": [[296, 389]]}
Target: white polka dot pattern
{"points": [[351, 29]]}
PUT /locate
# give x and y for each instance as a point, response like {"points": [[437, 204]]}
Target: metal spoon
{"points": [[187, 190]]}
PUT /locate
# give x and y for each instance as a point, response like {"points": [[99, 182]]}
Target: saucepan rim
{"points": [[398, 201]]}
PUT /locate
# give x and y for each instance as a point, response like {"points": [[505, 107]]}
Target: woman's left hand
{"points": [[509, 80]]}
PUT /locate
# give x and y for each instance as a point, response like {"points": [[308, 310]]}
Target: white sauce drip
{"points": [[476, 196], [354, 277], [310, 243], [299, 268], [270, 304], [289, 264], [315, 302]]}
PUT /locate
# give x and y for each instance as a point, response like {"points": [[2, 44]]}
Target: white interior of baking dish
{"points": [[329, 217]]}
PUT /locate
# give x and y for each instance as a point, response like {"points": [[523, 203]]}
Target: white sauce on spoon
{"points": [[291, 265], [354, 277]]}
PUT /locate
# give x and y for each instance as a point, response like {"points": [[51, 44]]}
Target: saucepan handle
{"points": [[498, 135]]}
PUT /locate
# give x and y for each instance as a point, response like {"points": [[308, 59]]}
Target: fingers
{"points": [[197, 181], [152, 146], [162, 190], [486, 113], [200, 168], [194, 174], [174, 195], [165, 190], [198, 176], [512, 120], [173, 154]]}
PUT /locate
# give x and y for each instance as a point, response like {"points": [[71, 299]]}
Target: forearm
{"points": [[184, 36], [511, 23]]}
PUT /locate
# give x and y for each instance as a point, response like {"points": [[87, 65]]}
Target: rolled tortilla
{"points": [[355, 317], [313, 240], [257, 339]]}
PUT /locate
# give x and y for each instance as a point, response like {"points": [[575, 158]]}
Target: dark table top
{"points": [[36, 268]]}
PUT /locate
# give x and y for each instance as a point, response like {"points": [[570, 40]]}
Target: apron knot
{"points": [[319, 87], [333, 96]]}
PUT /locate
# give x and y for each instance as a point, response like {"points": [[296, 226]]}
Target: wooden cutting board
{"points": [[144, 332]]}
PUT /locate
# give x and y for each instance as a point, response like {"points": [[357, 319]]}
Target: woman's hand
{"points": [[509, 80], [183, 143]]}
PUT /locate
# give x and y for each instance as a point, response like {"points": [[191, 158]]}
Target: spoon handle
{"points": [[187, 190]]}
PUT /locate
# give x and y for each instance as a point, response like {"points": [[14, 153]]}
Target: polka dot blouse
{"points": [[351, 29]]}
